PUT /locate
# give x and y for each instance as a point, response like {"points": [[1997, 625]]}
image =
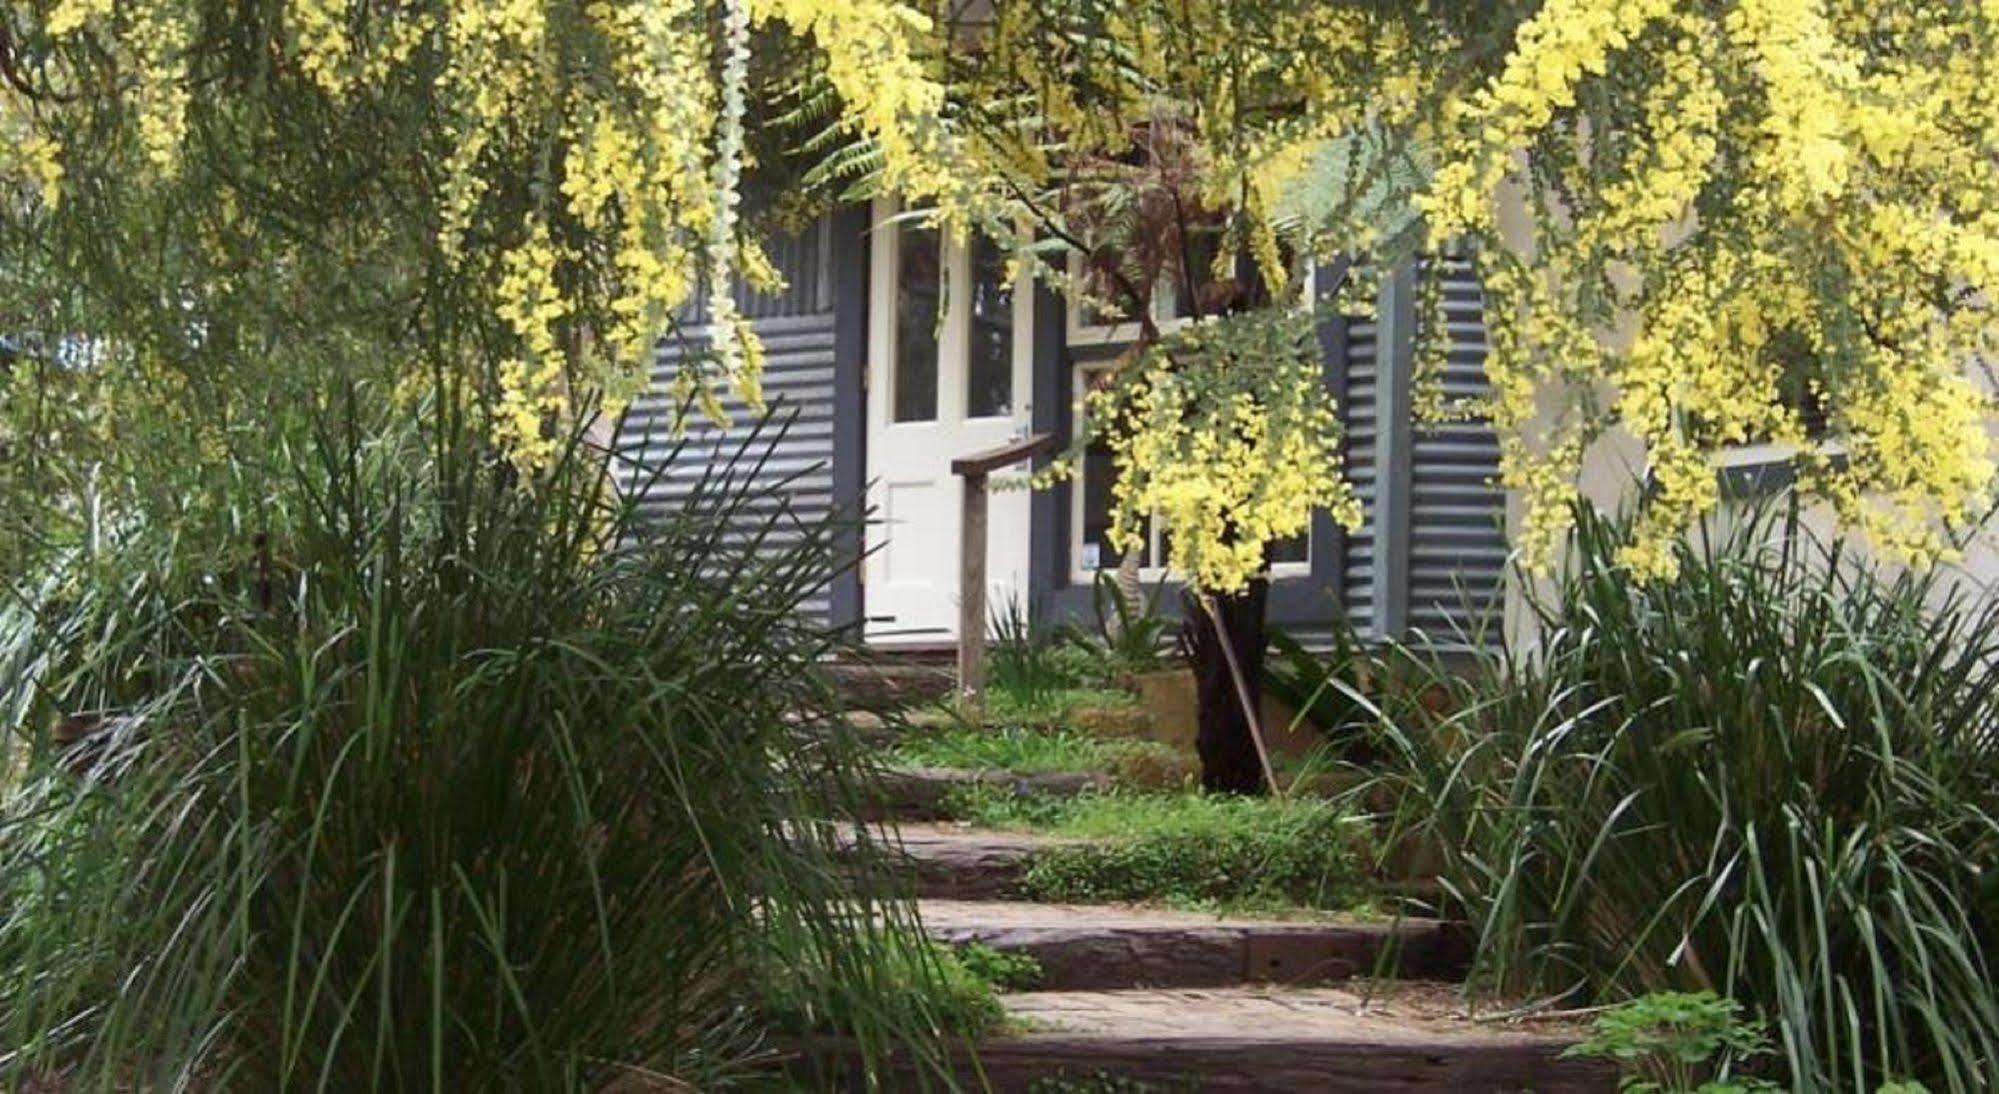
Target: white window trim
{"points": [[1080, 382]]}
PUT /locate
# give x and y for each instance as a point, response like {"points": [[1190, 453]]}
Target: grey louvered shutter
{"points": [[1457, 533], [1431, 552], [1358, 411]]}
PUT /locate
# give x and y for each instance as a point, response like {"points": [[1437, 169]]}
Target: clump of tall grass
{"points": [[1775, 777], [431, 778]]}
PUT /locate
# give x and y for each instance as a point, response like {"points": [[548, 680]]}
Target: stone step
{"points": [[889, 683], [1090, 946], [950, 863], [1325, 1040]]}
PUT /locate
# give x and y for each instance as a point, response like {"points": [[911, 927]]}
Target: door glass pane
{"points": [[918, 296], [989, 373]]}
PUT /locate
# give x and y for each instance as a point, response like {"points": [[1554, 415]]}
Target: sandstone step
{"points": [[952, 863], [1088, 946], [1403, 1038], [887, 683]]}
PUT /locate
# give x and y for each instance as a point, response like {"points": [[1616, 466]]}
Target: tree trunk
{"points": [[1229, 762]]}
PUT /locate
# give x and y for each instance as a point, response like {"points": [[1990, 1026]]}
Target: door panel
{"points": [[938, 391]]}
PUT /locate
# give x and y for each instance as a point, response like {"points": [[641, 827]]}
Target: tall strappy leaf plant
{"points": [[432, 779], [1775, 777]]}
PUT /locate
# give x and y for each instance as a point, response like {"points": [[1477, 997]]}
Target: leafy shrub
{"points": [[1003, 970], [430, 779], [1127, 637], [1028, 663], [1669, 1042], [1774, 777], [1185, 849]]}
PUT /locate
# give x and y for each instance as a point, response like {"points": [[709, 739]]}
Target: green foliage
{"points": [[957, 985], [1672, 1042], [1029, 664], [1004, 971], [427, 780], [1049, 709], [1185, 849], [1775, 777], [1127, 637], [1025, 750], [1326, 689]]}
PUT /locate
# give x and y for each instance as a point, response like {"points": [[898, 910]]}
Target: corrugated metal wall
{"points": [[798, 330]]}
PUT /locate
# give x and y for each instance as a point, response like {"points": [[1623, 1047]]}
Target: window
{"points": [[975, 346], [919, 294], [989, 372], [1090, 548]]}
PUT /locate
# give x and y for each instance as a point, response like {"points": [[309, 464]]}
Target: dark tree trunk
{"points": [[1229, 761]]}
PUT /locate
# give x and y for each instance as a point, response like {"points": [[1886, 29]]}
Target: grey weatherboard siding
{"points": [[1430, 555]]}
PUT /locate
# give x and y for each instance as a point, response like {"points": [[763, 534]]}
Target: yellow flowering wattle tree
{"points": [[1698, 224]]}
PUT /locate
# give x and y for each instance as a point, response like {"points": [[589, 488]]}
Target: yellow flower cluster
{"points": [[1225, 435], [1753, 210]]}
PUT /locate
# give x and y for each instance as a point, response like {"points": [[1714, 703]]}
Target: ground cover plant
{"points": [[1774, 777], [1029, 750], [1184, 849], [430, 778]]}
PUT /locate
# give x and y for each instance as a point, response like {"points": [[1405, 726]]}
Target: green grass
{"points": [[1185, 849], [1027, 751]]}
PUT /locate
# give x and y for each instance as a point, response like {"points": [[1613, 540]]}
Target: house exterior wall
{"points": [[812, 335], [1431, 554]]}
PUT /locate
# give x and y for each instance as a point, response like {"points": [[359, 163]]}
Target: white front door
{"points": [[938, 391]]}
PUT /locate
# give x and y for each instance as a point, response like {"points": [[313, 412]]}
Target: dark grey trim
{"points": [[1048, 510], [848, 261], [1393, 450], [1329, 540]]}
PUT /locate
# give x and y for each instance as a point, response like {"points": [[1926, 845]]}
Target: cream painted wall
{"points": [[1613, 470]]}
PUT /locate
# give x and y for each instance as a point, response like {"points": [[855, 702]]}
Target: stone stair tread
{"points": [[1405, 1038], [1380, 1013], [1028, 915], [1120, 946]]}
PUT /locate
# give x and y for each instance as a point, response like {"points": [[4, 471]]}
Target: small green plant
{"points": [[1673, 1042], [960, 986], [1128, 637], [1185, 849], [1029, 663], [999, 968]]}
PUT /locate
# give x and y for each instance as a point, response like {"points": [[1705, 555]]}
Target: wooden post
{"points": [[972, 591], [975, 469]]}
